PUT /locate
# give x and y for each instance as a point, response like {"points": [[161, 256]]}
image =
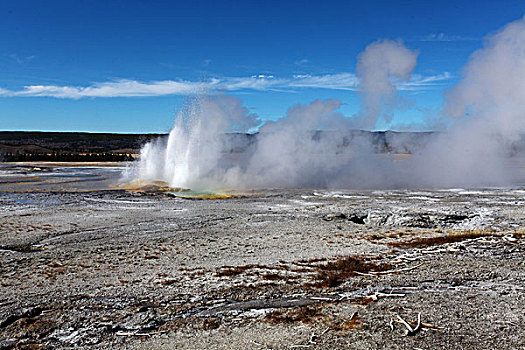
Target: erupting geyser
{"points": [[192, 155], [314, 145]]}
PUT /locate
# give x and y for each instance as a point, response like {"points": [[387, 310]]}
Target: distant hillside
{"points": [[74, 141], [79, 146], [70, 146]]}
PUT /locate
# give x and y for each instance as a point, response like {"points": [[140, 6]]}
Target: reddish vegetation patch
{"points": [[311, 263], [365, 301], [438, 240], [151, 257], [272, 277], [179, 323], [348, 324], [210, 323], [304, 314], [22, 248], [333, 274], [375, 237], [228, 271], [329, 274], [519, 235], [301, 269], [168, 281]]}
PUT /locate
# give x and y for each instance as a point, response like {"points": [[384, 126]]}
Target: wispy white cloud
{"points": [[21, 59], [302, 62], [419, 82], [120, 88], [340, 81], [261, 82], [442, 37]]}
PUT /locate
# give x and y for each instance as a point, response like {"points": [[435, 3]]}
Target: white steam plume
{"points": [[382, 65], [487, 109], [314, 145], [289, 153]]}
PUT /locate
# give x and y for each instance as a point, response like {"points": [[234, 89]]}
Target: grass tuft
{"points": [[334, 273], [230, 271], [438, 240], [348, 324], [304, 314]]}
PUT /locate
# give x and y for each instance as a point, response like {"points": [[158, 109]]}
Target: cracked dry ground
{"points": [[268, 270]]}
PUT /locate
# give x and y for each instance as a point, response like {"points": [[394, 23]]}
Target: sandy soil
{"points": [[268, 270]]}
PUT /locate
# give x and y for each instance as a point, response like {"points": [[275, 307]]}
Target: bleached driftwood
{"points": [[387, 272], [411, 331], [311, 341]]}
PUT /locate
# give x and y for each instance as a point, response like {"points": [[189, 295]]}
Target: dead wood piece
{"points": [[313, 338], [426, 326], [322, 298], [354, 315], [257, 305], [377, 295], [378, 273], [138, 334], [312, 341], [406, 257], [411, 331], [385, 295], [132, 334]]}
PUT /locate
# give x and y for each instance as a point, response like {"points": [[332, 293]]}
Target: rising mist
{"points": [[315, 145]]}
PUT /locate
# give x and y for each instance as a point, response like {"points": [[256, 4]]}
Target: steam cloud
{"points": [[487, 109], [314, 145], [381, 64]]}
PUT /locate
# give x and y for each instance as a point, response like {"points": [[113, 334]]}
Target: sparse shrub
{"points": [[334, 273], [304, 314], [438, 240]]}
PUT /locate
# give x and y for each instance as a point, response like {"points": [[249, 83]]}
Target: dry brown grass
{"points": [[151, 257], [229, 271], [438, 240], [272, 277], [310, 261], [210, 323], [334, 273], [348, 324], [21, 248], [304, 314], [518, 234], [190, 323], [168, 281], [36, 328]]}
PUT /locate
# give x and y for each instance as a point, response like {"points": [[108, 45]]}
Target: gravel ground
{"points": [[274, 269]]}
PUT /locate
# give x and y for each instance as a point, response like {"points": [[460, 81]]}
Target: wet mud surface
{"points": [[270, 269]]}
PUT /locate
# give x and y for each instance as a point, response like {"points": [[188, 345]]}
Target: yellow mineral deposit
{"points": [[164, 187]]}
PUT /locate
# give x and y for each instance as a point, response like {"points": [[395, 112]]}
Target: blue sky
{"points": [[126, 66]]}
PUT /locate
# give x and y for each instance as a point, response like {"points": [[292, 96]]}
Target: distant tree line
{"points": [[77, 141], [65, 157]]}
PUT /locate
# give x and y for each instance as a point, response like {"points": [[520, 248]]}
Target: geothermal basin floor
{"points": [[273, 269]]}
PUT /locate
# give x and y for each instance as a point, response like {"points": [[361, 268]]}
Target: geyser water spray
{"points": [[314, 145]]}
